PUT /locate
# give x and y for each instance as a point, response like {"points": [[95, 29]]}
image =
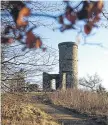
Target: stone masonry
{"points": [[68, 68], [47, 81]]}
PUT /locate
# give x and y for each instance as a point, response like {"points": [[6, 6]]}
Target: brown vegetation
{"points": [[20, 110], [82, 101]]}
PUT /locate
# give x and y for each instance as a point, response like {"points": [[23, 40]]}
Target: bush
{"points": [[82, 101]]}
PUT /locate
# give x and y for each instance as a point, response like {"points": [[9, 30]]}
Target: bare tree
{"points": [[17, 82], [33, 61], [91, 82]]}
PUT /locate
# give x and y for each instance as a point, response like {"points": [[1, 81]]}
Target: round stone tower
{"points": [[68, 68]]}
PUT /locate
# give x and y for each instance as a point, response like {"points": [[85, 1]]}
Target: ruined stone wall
{"points": [[68, 58], [47, 81]]}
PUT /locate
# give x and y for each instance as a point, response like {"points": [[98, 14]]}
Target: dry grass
{"points": [[19, 110], [82, 101]]}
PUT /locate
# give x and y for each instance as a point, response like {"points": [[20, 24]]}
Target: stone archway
{"points": [[47, 81]]}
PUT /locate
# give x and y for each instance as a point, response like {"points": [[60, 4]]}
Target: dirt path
{"points": [[66, 117]]}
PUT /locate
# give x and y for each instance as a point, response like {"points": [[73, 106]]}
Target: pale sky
{"points": [[91, 58]]}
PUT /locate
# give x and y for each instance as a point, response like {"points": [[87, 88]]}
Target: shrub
{"points": [[82, 101]]}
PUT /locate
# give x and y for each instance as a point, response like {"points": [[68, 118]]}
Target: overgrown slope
{"points": [[19, 110]]}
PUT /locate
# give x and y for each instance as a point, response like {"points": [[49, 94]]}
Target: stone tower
{"points": [[68, 68]]}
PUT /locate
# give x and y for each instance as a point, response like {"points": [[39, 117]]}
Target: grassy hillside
{"points": [[19, 109]]}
